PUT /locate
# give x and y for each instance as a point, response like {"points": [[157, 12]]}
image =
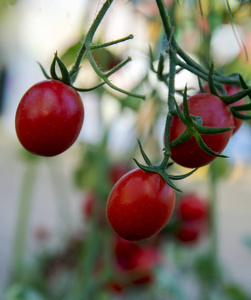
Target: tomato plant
{"points": [[214, 113], [139, 205], [49, 118]]}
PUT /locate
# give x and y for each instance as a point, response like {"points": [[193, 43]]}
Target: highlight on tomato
{"points": [[214, 113], [139, 205], [49, 118]]}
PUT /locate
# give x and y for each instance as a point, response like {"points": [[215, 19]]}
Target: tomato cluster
{"points": [[49, 118], [48, 121]]}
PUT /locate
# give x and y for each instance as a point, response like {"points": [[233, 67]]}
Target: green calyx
{"points": [[65, 77], [161, 169]]}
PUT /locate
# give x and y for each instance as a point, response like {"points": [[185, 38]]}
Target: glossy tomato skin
{"points": [[139, 205], [231, 90], [215, 113], [49, 118]]}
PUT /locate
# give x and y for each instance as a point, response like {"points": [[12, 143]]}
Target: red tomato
{"points": [[188, 232], [135, 262], [231, 90], [215, 113], [139, 205], [192, 207], [49, 118]]}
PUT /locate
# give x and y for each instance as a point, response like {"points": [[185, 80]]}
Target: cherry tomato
{"points": [[188, 232], [135, 262], [215, 113], [139, 205], [192, 207], [231, 90], [88, 204], [49, 118]]}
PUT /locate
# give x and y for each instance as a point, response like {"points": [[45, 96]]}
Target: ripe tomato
{"points": [[215, 113], [231, 90], [139, 205], [189, 232], [49, 118], [191, 207], [134, 263]]}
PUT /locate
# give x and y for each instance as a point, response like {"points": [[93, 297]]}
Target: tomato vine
{"points": [[178, 60]]}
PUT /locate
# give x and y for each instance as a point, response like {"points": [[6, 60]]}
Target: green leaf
{"points": [[70, 54]]}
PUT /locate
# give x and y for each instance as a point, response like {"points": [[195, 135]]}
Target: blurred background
{"points": [[54, 239]]}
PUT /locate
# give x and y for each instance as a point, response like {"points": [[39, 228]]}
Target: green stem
{"points": [[85, 282], [189, 63], [99, 46], [62, 202], [171, 83], [89, 36], [22, 223], [117, 67], [105, 77], [192, 69], [167, 135], [168, 28]]}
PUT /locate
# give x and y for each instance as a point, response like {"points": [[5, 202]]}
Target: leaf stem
{"points": [[99, 46]]}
